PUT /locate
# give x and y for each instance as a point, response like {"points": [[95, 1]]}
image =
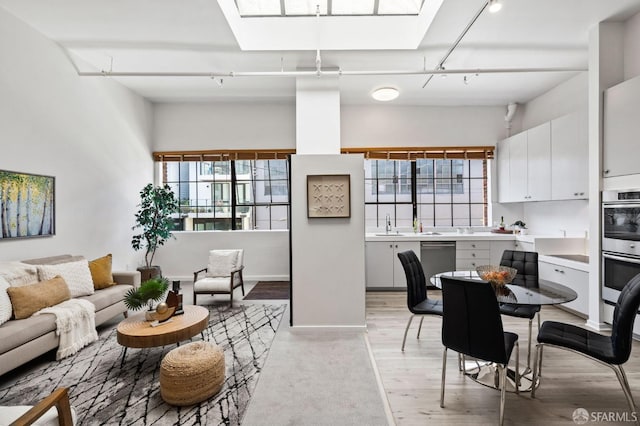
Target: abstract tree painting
{"points": [[26, 205]]}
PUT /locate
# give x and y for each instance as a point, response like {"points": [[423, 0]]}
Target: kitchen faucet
{"points": [[387, 223]]}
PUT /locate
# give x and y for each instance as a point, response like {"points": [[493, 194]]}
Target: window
{"points": [[438, 192], [227, 195]]}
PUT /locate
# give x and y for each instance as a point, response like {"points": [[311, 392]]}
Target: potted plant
{"points": [[157, 204], [149, 291], [520, 225]]}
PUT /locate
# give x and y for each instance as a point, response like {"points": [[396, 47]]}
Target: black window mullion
{"points": [[234, 197]]}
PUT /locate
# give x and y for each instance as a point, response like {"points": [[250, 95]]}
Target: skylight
{"points": [[265, 8]]}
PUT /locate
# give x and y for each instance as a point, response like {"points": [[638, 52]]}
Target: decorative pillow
{"points": [[5, 302], [76, 275], [222, 262], [29, 299], [18, 274], [101, 272]]}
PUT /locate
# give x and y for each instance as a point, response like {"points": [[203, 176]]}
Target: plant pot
{"points": [[148, 273]]}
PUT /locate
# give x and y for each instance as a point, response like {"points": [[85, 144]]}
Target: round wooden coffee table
{"points": [[136, 332]]}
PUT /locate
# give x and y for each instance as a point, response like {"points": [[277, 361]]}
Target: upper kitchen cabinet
{"points": [[539, 162], [569, 157], [502, 166], [621, 129], [524, 174]]}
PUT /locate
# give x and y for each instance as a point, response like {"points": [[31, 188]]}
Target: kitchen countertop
{"points": [[440, 236], [574, 261]]}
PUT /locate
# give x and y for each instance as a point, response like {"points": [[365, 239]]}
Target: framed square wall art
{"points": [[27, 205], [328, 196]]}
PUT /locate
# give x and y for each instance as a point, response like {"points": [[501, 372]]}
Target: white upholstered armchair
{"points": [[221, 276]]}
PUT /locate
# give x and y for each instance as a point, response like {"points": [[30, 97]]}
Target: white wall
{"points": [[567, 97], [93, 135], [317, 116], [201, 126], [328, 277], [632, 47], [266, 253], [387, 125]]}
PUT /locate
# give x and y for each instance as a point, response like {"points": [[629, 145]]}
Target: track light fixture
{"points": [[494, 6]]}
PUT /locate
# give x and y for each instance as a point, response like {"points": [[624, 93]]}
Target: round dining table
{"points": [[548, 293]]}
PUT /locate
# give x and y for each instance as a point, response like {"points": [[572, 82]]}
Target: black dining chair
{"points": [[472, 326], [526, 263], [612, 351], [417, 300]]}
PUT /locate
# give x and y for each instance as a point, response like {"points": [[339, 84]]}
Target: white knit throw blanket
{"points": [[76, 325]]}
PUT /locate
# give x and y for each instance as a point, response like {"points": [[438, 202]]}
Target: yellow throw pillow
{"points": [[101, 272], [29, 299]]}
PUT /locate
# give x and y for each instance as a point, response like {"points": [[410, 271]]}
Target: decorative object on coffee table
{"points": [[157, 204], [192, 373], [174, 298], [496, 275], [148, 292]]}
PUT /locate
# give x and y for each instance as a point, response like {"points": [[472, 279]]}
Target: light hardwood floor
{"points": [[412, 378]]}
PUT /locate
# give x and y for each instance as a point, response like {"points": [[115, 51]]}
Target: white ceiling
{"points": [[194, 36]]}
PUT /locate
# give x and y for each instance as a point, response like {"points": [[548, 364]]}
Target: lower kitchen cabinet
{"points": [[575, 279], [383, 268], [471, 254]]}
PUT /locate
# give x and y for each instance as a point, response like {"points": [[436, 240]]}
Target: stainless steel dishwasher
{"points": [[437, 256]]}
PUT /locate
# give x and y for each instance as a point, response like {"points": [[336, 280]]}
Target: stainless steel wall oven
{"points": [[620, 241]]}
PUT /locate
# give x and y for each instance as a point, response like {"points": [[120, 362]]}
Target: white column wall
{"points": [[606, 68], [328, 272], [92, 134], [317, 116]]}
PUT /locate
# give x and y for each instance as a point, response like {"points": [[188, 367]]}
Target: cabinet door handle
{"points": [[396, 246], [575, 193], [632, 246], [559, 270], [473, 263], [473, 245], [390, 245], [582, 193], [606, 172], [473, 255]]}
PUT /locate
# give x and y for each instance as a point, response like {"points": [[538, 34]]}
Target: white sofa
{"points": [[25, 339]]}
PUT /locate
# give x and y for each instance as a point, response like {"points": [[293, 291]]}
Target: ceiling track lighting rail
{"points": [[328, 73]]}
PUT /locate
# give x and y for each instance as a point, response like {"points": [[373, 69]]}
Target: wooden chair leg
{"points": [[126, 314]]}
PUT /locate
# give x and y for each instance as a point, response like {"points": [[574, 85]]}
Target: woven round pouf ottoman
{"points": [[191, 373]]}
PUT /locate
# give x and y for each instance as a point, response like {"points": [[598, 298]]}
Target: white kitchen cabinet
{"points": [[518, 190], [471, 254], [502, 168], [524, 246], [383, 268], [569, 157], [539, 163], [529, 166], [621, 129], [497, 248], [575, 279]]}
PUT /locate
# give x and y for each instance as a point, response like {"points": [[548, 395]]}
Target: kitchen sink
{"points": [[430, 233]]}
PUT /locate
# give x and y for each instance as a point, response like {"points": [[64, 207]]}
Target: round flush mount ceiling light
{"points": [[494, 6], [385, 94]]}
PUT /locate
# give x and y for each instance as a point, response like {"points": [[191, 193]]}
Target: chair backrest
{"points": [[416, 283], [623, 318], [471, 322], [526, 262], [222, 262]]}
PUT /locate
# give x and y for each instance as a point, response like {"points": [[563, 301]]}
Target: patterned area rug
{"points": [[104, 393]]}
